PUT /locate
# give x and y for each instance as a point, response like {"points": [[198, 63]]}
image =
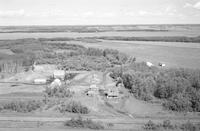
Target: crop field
{"points": [[98, 31], [174, 54], [96, 34]]}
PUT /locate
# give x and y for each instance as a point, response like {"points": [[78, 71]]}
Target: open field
{"points": [[174, 54], [21, 32], [96, 34]]}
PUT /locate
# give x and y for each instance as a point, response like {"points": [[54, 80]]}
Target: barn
{"points": [[59, 74]]}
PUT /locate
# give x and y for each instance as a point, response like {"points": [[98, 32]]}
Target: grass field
{"points": [[174, 54]]}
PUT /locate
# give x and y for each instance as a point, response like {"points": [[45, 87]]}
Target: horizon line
{"points": [[105, 24]]}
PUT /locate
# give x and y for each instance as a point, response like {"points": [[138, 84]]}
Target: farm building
{"points": [[94, 87], [149, 64], [112, 93], [92, 93], [162, 64], [59, 74], [56, 83], [40, 81]]}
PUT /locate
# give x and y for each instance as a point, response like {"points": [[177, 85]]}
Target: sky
{"points": [[98, 12]]}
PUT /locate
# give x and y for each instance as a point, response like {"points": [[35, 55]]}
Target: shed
{"points": [[40, 81]]}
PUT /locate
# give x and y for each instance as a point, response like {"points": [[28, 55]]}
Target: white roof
{"points": [[59, 72]]}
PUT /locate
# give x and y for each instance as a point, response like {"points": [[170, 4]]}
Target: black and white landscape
{"points": [[131, 65]]}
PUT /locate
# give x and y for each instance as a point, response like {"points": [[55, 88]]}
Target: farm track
{"points": [[56, 123], [14, 82]]}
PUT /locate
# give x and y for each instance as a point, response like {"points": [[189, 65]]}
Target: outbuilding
{"points": [[112, 93], [56, 83], [149, 64], [92, 93], [59, 74], [40, 81], [162, 64]]}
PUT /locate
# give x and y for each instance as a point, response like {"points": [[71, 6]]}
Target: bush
{"points": [[60, 92], [166, 87], [167, 125], [150, 125], [81, 123], [194, 97], [178, 102], [190, 126], [73, 107], [22, 106], [189, 101], [141, 85]]}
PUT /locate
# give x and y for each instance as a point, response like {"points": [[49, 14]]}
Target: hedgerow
{"points": [[22, 106]]}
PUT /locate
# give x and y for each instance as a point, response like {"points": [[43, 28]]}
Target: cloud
{"points": [[170, 10], [187, 5], [197, 5], [12, 13], [148, 13], [88, 14]]}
